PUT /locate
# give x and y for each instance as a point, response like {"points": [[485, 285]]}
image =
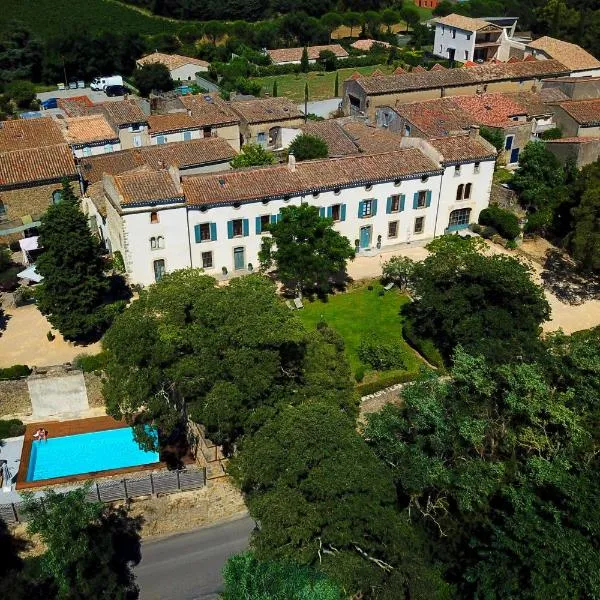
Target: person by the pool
{"points": [[41, 434]]}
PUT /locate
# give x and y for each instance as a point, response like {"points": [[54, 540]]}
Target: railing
{"points": [[151, 484]]}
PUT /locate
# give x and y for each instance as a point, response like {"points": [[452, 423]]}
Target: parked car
{"points": [[115, 90], [100, 83], [49, 103]]}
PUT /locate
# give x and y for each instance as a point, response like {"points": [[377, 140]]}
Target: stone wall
{"points": [[93, 383], [14, 398]]}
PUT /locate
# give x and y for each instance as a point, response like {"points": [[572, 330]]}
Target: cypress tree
{"points": [[275, 89], [304, 64], [336, 87]]}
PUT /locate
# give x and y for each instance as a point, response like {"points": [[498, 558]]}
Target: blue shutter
{"points": [[278, 217], [258, 226], [322, 212], [402, 199], [329, 212], [374, 207], [388, 206], [197, 233], [213, 231], [274, 219], [343, 212], [246, 227], [416, 200], [360, 209], [428, 201], [229, 229]]}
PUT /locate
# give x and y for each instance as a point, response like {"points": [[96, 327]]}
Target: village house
{"points": [[579, 62], [181, 68], [268, 122], [130, 122], [408, 195], [571, 88], [21, 134], [90, 135], [581, 150], [363, 95], [177, 127], [293, 56], [578, 118]]}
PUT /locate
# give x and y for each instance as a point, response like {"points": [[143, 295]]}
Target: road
{"points": [[188, 566]]}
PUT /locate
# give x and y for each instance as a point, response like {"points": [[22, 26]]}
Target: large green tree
{"points": [[153, 77], [498, 466], [322, 499], [307, 147], [90, 548], [232, 356], [74, 287], [305, 249], [489, 304], [252, 155]]}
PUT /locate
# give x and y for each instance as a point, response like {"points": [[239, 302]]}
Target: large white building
{"points": [[216, 221]]}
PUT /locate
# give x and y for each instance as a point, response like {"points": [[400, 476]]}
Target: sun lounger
{"points": [[298, 303], [389, 286]]}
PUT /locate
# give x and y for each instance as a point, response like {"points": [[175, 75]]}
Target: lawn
{"points": [[53, 18], [321, 85], [361, 312]]}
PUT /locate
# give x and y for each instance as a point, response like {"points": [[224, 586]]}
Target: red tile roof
{"points": [[124, 112], [493, 110], [76, 106], [173, 122], [246, 185], [459, 148], [418, 69], [372, 140], [585, 112], [464, 23], [366, 45], [284, 55], [437, 67], [20, 134], [90, 128], [331, 131], [398, 71], [171, 61], [263, 110], [46, 163], [571, 55], [209, 109], [144, 185], [437, 117]]}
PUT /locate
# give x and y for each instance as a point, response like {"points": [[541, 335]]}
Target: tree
{"points": [[372, 21], [307, 147], [215, 30], [185, 347], [327, 60], [275, 89], [493, 136], [336, 85], [73, 290], [331, 21], [558, 18], [305, 248], [22, 93], [304, 64], [390, 17], [399, 270], [153, 77], [585, 238], [20, 54], [488, 304], [89, 547], [410, 15], [323, 500], [497, 468], [351, 19], [246, 577], [444, 8], [252, 155]]}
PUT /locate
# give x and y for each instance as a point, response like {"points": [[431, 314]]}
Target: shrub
{"points": [[503, 221], [118, 262], [50, 336], [89, 363], [15, 372], [488, 233], [370, 287], [424, 346], [384, 381], [511, 245], [476, 228], [11, 428], [552, 134], [359, 374], [380, 355]]}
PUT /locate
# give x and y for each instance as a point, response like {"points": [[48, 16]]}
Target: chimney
{"points": [[291, 162], [473, 131], [189, 112]]}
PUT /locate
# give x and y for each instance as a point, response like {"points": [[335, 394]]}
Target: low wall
{"points": [[57, 391], [14, 398]]}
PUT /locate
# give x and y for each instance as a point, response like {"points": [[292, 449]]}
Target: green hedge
{"points": [[503, 221], [425, 347], [385, 381], [15, 372], [11, 428], [89, 363]]}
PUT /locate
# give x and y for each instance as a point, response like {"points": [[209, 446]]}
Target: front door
{"points": [[365, 236], [159, 269], [238, 259]]}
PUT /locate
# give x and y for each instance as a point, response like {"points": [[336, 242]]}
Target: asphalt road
{"points": [[187, 566]]}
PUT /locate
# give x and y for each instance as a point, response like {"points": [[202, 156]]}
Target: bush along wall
{"points": [[15, 372], [503, 221]]}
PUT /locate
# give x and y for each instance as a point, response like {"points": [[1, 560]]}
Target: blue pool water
{"points": [[86, 453]]}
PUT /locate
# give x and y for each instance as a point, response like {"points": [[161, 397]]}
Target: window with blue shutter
{"points": [[258, 226], [161, 139], [197, 233], [360, 209], [388, 206], [205, 232], [374, 207], [246, 227], [229, 229], [329, 212], [213, 231], [343, 212], [367, 208], [187, 136], [416, 200], [322, 212], [402, 199], [274, 218], [428, 201]]}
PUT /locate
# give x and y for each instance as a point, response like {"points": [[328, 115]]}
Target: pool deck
{"points": [[64, 428]]}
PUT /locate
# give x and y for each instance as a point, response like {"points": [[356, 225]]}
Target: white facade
{"points": [[176, 136], [81, 151], [453, 43], [187, 72]]}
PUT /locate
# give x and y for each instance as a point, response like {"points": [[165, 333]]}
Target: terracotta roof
{"points": [[366, 45], [95, 193], [585, 112], [76, 106], [458, 148], [356, 75], [571, 55], [372, 140], [146, 185], [124, 112], [398, 71], [438, 67], [173, 122], [179, 154], [331, 131], [20, 134], [90, 128], [493, 110], [484, 73], [377, 73], [437, 117], [37, 164], [418, 69], [283, 55], [263, 110], [465, 23], [244, 185], [552, 95], [532, 103], [513, 59], [171, 61], [209, 109]]}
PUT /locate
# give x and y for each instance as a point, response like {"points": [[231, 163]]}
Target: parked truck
{"points": [[100, 83]]}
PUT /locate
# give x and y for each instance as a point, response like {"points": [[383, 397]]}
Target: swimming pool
{"points": [[86, 453]]}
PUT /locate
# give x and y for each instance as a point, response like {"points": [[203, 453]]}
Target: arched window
{"points": [[160, 242], [153, 245], [153, 217], [467, 194], [459, 192], [56, 196]]}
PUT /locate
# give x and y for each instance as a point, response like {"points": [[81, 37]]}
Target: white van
{"points": [[100, 83]]}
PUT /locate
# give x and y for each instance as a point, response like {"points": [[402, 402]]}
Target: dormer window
{"points": [[368, 188], [425, 178]]}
